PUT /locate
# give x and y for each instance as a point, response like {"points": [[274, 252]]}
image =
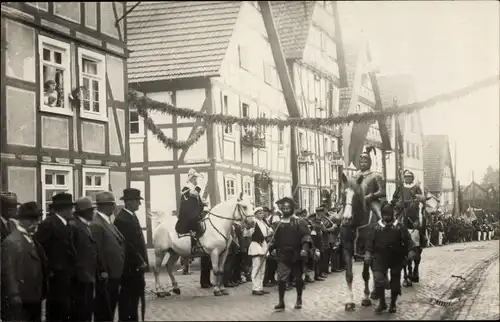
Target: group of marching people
{"points": [[287, 246], [78, 259]]}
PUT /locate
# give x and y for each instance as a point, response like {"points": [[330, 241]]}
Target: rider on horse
{"points": [[387, 245], [407, 199], [372, 184], [191, 209]]}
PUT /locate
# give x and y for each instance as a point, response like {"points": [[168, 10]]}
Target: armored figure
{"points": [[408, 197], [290, 245], [372, 183]]}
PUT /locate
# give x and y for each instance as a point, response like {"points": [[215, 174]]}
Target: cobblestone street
{"points": [[325, 300]]}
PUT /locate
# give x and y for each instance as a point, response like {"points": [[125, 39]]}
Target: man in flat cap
{"points": [[8, 209], [86, 261], [56, 237], [291, 244], [110, 256], [24, 270], [136, 257]]}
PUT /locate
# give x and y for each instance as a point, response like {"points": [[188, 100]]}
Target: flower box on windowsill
{"points": [[333, 156], [253, 139], [305, 153]]}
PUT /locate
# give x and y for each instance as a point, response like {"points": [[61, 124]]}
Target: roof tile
{"points": [[179, 39]]}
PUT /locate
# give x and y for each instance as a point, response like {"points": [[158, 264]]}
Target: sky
{"points": [[444, 45]]}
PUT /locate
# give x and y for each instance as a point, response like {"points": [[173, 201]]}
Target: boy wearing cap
{"points": [[387, 244], [23, 268], [55, 236], [86, 261]]}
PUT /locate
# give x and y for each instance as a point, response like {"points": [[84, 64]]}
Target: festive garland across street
{"points": [[143, 104]]}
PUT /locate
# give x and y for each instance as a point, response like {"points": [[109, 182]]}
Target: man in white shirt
{"points": [[258, 251]]}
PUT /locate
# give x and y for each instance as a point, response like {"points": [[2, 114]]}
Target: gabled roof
{"points": [[353, 60], [436, 155], [474, 190], [178, 39], [293, 19]]}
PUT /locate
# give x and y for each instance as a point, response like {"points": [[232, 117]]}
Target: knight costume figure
{"points": [[387, 245], [191, 209], [372, 183], [290, 245], [408, 198]]}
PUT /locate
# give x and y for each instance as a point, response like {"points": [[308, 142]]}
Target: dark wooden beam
{"points": [[286, 85]]}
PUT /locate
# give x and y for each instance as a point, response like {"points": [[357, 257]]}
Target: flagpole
{"points": [[457, 210]]}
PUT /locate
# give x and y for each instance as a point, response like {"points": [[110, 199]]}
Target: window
{"points": [[95, 180], [281, 192], [270, 75], [247, 187], [136, 124], [92, 78], [417, 152], [358, 108], [55, 75], [230, 188], [302, 142], [56, 179], [245, 113], [243, 57], [263, 129], [326, 145], [281, 139], [228, 129], [413, 150], [407, 149]]}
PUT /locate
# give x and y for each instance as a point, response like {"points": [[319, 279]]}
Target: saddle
{"points": [[196, 234]]}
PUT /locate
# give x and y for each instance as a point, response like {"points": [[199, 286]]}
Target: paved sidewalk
{"points": [[324, 300]]}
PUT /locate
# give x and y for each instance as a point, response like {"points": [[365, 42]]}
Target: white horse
{"points": [[215, 241]]}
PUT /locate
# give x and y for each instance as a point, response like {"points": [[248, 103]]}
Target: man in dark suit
{"points": [[86, 261], [55, 236], [110, 255], [8, 209], [23, 268], [136, 257]]}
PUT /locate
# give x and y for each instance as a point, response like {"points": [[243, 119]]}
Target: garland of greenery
{"points": [[143, 104], [170, 143]]}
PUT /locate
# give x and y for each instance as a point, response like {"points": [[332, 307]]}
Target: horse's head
{"points": [[244, 210], [352, 197]]}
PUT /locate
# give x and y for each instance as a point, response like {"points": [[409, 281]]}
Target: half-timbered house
{"points": [[312, 45], [402, 89], [213, 57], [64, 123]]}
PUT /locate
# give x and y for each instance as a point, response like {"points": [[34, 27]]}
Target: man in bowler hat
{"points": [[86, 261], [110, 256], [55, 236], [23, 268], [136, 257]]}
